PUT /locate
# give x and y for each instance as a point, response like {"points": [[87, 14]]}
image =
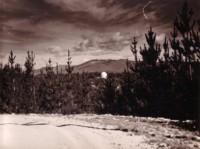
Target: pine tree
{"points": [[185, 44], [150, 55], [11, 59], [190, 43], [133, 48], [29, 64], [109, 95], [166, 50], [69, 68], [57, 71], [5, 89], [50, 90], [18, 88], [49, 69], [176, 57], [29, 87]]}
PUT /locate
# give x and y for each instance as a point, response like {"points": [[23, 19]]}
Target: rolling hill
{"points": [[115, 66]]}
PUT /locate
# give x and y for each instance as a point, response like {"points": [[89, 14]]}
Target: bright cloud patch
{"points": [[57, 51], [115, 42], [160, 38]]}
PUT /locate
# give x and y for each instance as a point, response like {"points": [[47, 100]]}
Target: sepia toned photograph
{"points": [[99, 74]]}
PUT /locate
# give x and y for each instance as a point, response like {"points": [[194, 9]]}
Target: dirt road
{"points": [[90, 132]]}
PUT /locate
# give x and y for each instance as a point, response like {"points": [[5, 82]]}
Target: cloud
{"points": [[8, 41], [90, 13], [86, 44], [41, 11], [115, 43], [57, 51], [23, 18], [160, 38], [102, 43], [18, 32], [2, 56], [94, 14]]}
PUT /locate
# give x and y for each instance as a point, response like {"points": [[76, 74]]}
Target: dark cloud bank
{"points": [[29, 21], [94, 14]]}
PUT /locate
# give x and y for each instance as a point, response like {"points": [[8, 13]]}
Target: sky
{"points": [[90, 29]]}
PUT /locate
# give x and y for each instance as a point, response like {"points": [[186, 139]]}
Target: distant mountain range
{"points": [[115, 66]]}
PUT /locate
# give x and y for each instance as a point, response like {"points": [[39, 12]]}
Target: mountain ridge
{"points": [[94, 65]]}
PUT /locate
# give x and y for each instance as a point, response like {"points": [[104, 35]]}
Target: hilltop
{"points": [[115, 66]]}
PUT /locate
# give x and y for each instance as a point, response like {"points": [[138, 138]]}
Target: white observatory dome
{"points": [[104, 75]]}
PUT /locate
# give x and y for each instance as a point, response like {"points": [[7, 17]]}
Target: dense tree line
{"points": [[169, 82], [163, 82]]}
